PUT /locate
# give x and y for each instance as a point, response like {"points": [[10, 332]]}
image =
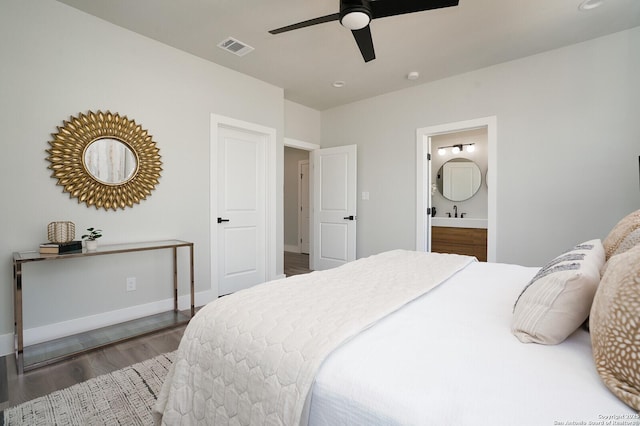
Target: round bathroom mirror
{"points": [[459, 179]]}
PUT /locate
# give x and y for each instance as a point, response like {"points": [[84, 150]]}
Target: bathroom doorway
{"points": [[425, 159]]}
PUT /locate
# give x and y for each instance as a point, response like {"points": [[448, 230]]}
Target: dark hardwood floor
{"points": [[15, 389], [296, 263]]}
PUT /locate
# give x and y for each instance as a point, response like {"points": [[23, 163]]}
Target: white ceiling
{"points": [[305, 62]]}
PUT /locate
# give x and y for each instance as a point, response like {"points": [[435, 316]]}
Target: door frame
{"points": [[269, 133], [423, 173]]}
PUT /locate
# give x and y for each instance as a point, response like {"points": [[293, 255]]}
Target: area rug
{"points": [[124, 397]]}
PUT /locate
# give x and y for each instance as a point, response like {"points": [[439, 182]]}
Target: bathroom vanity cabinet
{"points": [[468, 241]]}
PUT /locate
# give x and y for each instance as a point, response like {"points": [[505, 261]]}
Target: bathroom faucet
{"points": [[455, 209]]}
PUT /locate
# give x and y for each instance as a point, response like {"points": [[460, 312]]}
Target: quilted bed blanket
{"points": [[250, 358]]}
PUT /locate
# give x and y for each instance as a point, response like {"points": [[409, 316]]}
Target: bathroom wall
{"points": [[476, 206]]}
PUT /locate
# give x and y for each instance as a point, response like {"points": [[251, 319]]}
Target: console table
{"points": [[33, 356]]}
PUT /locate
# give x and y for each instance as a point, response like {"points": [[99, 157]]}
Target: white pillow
{"points": [[558, 299]]}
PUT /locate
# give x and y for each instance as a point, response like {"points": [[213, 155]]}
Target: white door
{"points": [[241, 215], [334, 206], [303, 206]]}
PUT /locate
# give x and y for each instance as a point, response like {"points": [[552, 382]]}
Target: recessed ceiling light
{"points": [[413, 75], [338, 84], [590, 4]]}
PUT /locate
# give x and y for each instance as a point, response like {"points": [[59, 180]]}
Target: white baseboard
{"points": [[291, 249], [281, 276], [80, 325]]}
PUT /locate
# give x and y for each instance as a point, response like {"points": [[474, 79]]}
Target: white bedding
{"points": [[250, 358], [449, 358]]}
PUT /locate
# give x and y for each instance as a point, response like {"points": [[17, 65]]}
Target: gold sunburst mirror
{"points": [[105, 160]]}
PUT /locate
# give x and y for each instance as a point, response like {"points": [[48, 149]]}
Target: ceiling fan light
{"points": [[355, 20]]}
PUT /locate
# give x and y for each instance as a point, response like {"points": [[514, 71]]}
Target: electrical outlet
{"points": [[131, 283]]}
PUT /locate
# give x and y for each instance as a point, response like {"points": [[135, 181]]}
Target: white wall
{"points": [[301, 123], [58, 62], [568, 141]]}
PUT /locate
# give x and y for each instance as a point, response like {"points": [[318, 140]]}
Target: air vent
{"points": [[234, 46]]}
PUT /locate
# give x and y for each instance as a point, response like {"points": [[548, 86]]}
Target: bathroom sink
{"points": [[456, 222]]}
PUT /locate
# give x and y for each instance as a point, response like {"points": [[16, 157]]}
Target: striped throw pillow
{"points": [[558, 298]]}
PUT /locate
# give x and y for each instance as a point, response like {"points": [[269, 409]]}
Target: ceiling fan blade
{"points": [[384, 8], [310, 22], [365, 43]]}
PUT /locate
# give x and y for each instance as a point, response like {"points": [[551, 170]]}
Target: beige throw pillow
{"points": [[558, 299], [629, 241], [620, 237], [615, 327]]}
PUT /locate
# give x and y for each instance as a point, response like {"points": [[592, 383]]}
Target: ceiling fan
{"points": [[357, 14]]}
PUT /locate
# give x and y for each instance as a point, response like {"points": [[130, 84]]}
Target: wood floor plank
{"points": [[4, 387], [44, 380], [296, 263]]}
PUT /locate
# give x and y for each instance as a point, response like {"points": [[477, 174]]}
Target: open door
{"points": [[334, 189]]}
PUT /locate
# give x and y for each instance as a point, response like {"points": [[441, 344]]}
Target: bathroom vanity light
{"points": [[455, 149]]}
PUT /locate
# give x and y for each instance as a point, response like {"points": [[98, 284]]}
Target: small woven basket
{"points": [[61, 232]]}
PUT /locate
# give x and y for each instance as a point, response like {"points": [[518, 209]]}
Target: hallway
{"points": [[296, 263]]}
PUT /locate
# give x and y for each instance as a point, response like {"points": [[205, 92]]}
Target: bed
{"points": [[409, 338]]}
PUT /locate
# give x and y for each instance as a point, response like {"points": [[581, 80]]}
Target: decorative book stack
{"points": [[61, 248]]}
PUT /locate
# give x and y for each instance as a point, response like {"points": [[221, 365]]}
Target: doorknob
{"points": [[350, 217], [220, 220]]}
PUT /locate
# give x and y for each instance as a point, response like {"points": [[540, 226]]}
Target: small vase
{"points": [[91, 245]]}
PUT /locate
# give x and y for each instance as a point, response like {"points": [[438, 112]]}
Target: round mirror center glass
{"points": [[459, 179], [110, 161]]}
